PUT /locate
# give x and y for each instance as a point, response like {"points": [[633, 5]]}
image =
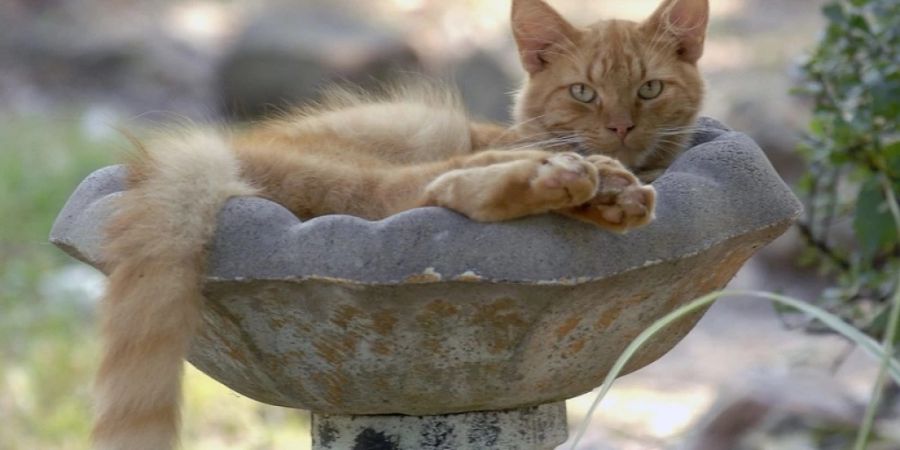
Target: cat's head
{"points": [[626, 89]]}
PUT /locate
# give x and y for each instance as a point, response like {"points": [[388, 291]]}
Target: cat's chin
{"points": [[616, 150]]}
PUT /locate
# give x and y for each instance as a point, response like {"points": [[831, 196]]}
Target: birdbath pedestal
{"points": [[426, 330]]}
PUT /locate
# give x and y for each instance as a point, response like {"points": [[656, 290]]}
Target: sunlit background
{"points": [[71, 71]]}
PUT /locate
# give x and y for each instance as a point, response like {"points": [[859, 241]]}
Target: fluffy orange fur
{"points": [[599, 99]]}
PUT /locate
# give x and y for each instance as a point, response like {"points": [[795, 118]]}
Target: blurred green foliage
{"points": [[49, 347], [853, 76], [45, 343]]}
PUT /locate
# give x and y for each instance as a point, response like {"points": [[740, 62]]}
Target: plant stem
{"points": [[889, 334], [866, 343], [823, 248]]}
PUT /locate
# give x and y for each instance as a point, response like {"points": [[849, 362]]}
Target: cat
{"points": [[597, 101]]}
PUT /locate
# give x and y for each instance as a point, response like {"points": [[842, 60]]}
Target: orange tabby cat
{"points": [[614, 91]]}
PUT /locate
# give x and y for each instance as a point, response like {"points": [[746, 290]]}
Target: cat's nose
{"points": [[620, 128]]}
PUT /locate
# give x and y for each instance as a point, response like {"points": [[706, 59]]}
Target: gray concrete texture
{"points": [[427, 312], [541, 427]]}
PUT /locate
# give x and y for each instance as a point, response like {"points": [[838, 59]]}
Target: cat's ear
{"points": [[538, 28], [686, 21]]}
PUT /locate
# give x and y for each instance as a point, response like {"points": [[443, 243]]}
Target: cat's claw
{"points": [[621, 202]]}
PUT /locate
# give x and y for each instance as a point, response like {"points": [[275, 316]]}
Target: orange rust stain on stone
{"points": [[294, 355], [326, 352], [726, 270], [433, 318], [331, 350], [685, 324], [432, 344], [380, 347], [336, 388], [663, 342], [434, 324], [234, 353], [628, 335], [422, 278], [682, 292], [708, 277], [331, 384], [441, 307], [609, 315], [567, 327], [215, 338], [383, 322], [498, 314], [344, 315], [576, 346], [381, 385], [638, 298], [501, 322], [349, 341], [277, 322]]}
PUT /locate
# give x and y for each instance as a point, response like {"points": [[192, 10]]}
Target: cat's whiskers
{"points": [[525, 122], [568, 140], [514, 129], [555, 141], [675, 134], [534, 135], [669, 147], [682, 131]]}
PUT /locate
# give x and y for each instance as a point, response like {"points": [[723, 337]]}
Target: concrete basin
{"points": [[427, 312]]}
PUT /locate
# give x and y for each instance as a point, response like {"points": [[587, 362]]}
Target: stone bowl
{"points": [[427, 312]]}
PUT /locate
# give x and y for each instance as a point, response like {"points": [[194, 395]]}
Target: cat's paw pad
{"points": [[633, 207], [566, 177], [621, 201]]}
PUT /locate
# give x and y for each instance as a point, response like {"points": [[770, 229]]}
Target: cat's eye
{"points": [[650, 90], [582, 92]]}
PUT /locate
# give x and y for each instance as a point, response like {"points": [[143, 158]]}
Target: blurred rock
{"points": [[765, 110], [90, 54], [782, 411], [286, 55], [485, 86]]}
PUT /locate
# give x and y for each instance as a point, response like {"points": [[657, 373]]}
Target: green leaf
{"points": [[872, 222], [892, 156], [816, 127], [859, 22], [838, 158], [886, 99]]}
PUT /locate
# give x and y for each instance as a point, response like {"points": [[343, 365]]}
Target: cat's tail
{"points": [[151, 307]]}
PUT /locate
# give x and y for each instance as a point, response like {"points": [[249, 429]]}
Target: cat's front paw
{"points": [[567, 179], [621, 202]]}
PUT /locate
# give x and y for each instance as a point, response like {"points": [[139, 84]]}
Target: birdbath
{"points": [[427, 330]]}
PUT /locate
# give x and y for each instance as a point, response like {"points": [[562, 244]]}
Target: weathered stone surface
{"points": [[541, 427], [427, 312]]}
